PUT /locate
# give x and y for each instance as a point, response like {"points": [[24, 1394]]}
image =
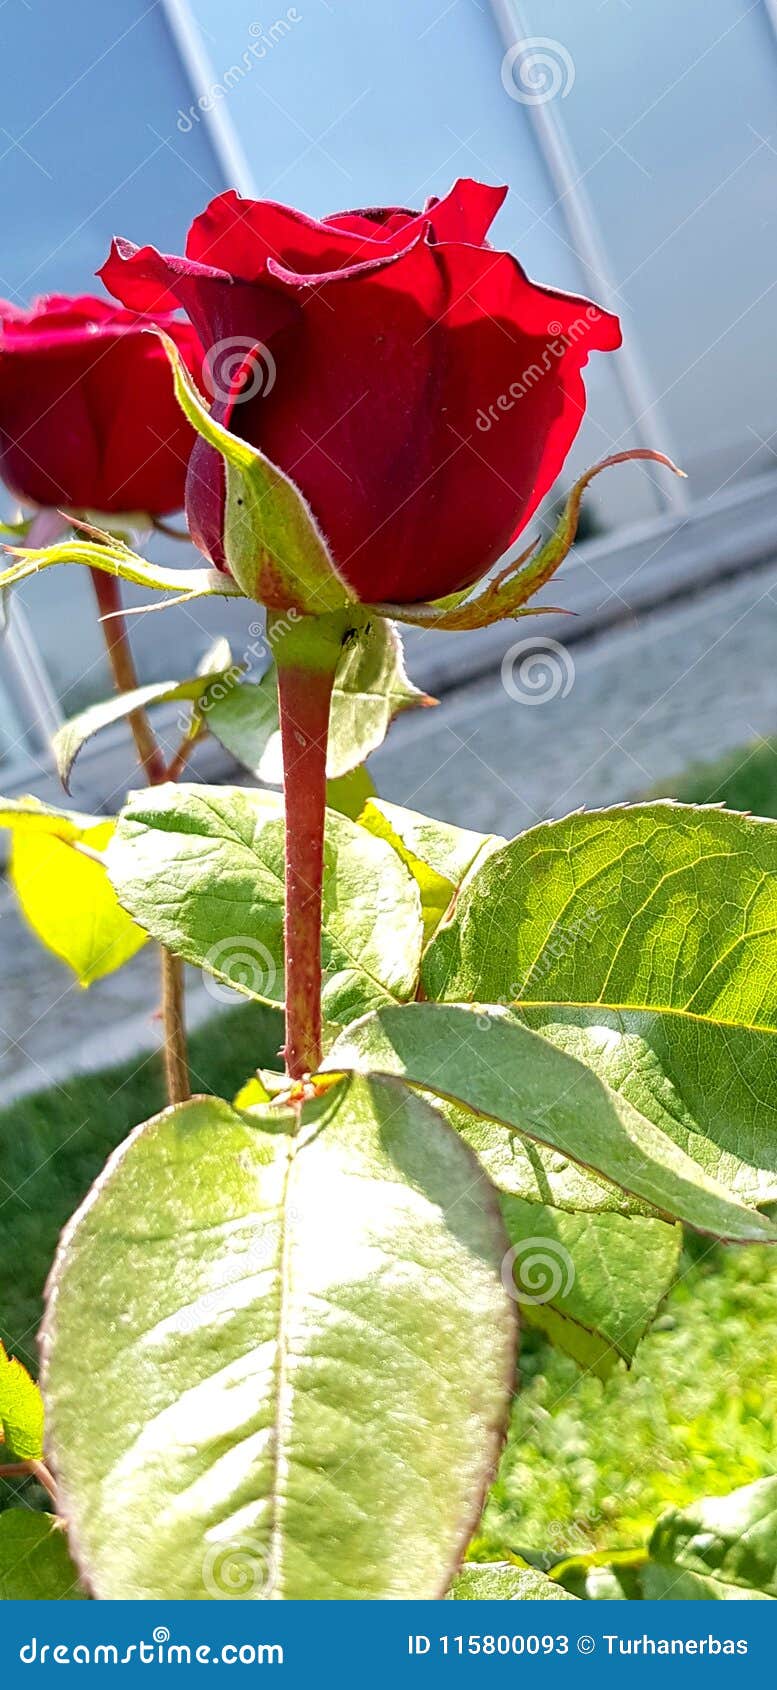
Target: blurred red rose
{"points": [[418, 388], [88, 415]]}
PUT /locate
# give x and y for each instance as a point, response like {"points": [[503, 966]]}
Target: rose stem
{"points": [[33, 1469], [117, 645], [307, 653], [125, 679]]}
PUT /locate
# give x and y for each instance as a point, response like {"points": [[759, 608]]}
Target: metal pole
{"points": [[30, 675], [187, 41], [577, 213]]}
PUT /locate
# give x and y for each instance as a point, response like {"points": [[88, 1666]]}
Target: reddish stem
{"points": [[109, 603], [108, 594], [304, 696]]}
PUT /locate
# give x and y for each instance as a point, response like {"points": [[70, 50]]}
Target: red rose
{"points": [[88, 415], [418, 388]]}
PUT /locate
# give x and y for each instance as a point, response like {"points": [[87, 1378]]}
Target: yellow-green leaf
{"points": [[59, 877], [21, 1412]]}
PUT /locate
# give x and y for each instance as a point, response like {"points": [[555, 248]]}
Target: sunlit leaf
{"points": [[59, 877], [201, 869], [304, 1348], [21, 1412], [488, 1060], [34, 1561], [500, 1581], [641, 940]]}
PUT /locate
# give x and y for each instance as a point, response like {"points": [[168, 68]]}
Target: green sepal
{"points": [[112, 557], [506, 595], [272, 542], [371, 688]]}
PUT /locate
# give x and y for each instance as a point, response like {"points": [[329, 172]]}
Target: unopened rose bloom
{"points": [[416, 386], [88, 415]]}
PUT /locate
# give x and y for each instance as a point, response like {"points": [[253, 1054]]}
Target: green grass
{"points": [[587, 1464], [53, 1145], [590, 1465], [746, 780]]}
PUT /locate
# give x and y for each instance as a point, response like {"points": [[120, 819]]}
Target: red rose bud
{"points": [[88, 414], [413, 383]]}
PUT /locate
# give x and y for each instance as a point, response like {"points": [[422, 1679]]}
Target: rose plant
{"points": [[505, 1063]]}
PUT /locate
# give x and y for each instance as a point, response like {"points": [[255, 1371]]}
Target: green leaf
{"points": [[59, 877], [201, 869], [304, 1348], [114, 558], [671, 1584], [371, 688], [34, 1560], [522, 1167], [501, 1581], [350, 793], [21, 1412], [595, 1263], [591, 1283], [486, 1059], [272, 542], [707, 1087], [252, 1093], [651, 930], [69, 739], [244, 718], [728, 1539], [600, 1576], [438, 855]]}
